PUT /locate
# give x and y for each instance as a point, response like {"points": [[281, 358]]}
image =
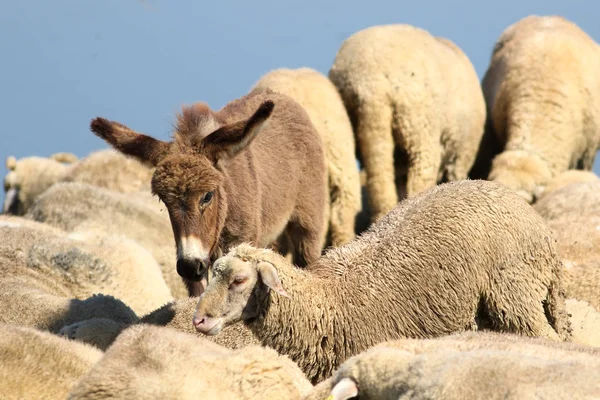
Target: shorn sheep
{"points": [[542, 101], [29, 177], [147, 362], [461, 255], [252, 171], [49, 279], [102, 332], [40, 365], [321, 100], [577, 200], [407, 90], [78, 207], [468, 366]]}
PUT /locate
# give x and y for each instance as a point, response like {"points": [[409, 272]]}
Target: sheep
{"points": [[460, 255], [576, 200], [468, 365], [29, 177], [48, 278], [582, 282], [409, 91], [275, 186], [79, 207], [564, 179], [38, 365], [585, 322], [148, 362], [542, 102], [315, 92], [102, 332]]}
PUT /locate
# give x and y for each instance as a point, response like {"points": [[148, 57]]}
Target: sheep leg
{"points": [[376, 143], [345, 204], [424, 159]]}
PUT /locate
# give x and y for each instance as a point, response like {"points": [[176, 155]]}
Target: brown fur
{"points": [[251, 171], [460, 255], [148, 362]]}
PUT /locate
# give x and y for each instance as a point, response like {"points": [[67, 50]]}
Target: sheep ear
{"points": [[343, 390], [229, 140], [144, 148], [11, 163], [268, 274], [67, 158]]}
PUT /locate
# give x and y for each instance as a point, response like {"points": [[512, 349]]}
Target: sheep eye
{"points": [[239, 280], [244, 259], [206, 198]]}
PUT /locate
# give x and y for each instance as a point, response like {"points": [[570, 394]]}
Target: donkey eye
{"points": [[207, 197]]}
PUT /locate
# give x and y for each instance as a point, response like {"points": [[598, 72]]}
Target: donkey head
{"points": [[188, 177]]}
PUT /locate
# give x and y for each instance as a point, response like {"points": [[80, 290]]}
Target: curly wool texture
{"points": [[472, 365], [543, 102], [455, 257], [49, 279], [31, 176], [406, 89], [317, 95], [148, 362], [40, 365], [177, 315], [78, 207]]}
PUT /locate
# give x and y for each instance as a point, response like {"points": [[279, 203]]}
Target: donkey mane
{"points": [[194, 123]]}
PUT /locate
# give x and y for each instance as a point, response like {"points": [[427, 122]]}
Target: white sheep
{"points": [[148, 362], [40, 365], [317, 95], [467, 366], [461, 255], [407, 90], [48, 278], [542, 101], [29, 177]]}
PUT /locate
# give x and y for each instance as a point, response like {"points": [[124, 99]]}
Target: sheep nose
{"points": [[191, 269]]}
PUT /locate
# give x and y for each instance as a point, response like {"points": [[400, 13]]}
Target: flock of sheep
{"points": [[250, 257]]}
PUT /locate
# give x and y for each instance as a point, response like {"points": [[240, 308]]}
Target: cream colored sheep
{"points": [[317, 95], [543, 102], [468, 366], [29, 177], [406, 89], [39, 365], [78, 207], [177, 315], [457, 256], [577, 200], [147, 362], [582, 282], [585, 322], [564, 179], [47, 277]]}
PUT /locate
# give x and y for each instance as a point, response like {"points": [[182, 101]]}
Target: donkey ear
{"points": [[229, 140], [268, 275], [144, 148]]}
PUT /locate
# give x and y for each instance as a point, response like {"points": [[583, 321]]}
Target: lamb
{"points": [[542, 102], [147, 362], [463, 255], [49, 278], [38, 365], [29, 177], [79, 207], [577, 200], [468, 365], [407, 90], [315, 92], [102, 332], [223, 182]]}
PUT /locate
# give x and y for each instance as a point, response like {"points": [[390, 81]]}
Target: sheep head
{"points": [[238, 286], [189, 177]]}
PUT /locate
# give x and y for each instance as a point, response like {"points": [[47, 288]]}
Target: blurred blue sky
{"points": [[64, 62]]}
